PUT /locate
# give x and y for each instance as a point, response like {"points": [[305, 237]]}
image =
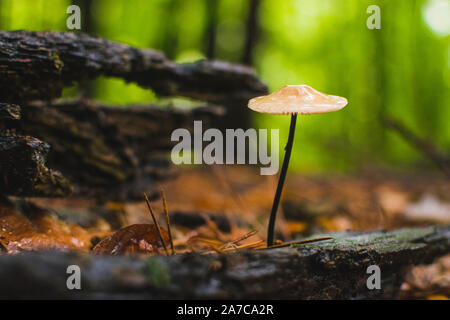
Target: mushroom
{"points": [[293, 100]]}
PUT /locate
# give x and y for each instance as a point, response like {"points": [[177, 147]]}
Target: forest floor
{"points": [[213, 206]]}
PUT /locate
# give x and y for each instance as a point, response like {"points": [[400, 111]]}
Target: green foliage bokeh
{"points": [[401, 70]]}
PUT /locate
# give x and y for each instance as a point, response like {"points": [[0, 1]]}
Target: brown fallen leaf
{"points": [[137, 238], [39, 231]]}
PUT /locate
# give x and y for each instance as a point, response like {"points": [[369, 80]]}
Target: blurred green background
{"points": [[401, 70]]}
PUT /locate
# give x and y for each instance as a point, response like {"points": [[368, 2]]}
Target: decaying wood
{"points": [[332, 269], [101, 149], [113, 151], [23, 169], [37, 65]]}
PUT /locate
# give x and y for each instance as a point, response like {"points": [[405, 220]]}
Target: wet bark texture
{"points": [[37, 65], [103, 150], [23, 169], [333, 269]]}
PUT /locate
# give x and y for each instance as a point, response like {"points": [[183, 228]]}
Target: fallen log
{"points": [[37, 65], [113, 151], [332, 269], [23, 169]]}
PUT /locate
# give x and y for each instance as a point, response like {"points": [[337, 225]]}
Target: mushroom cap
{"points": [[301, 99]]}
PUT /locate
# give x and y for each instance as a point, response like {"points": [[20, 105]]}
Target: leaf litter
{"points": [[310, 204]]}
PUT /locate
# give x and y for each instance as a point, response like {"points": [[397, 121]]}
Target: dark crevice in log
{"points": [[112, 151], [37, 65], [333, 269], [23, 169]]}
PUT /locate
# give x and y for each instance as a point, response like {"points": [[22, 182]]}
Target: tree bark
{"points": [[23, 169], [333, 269], [112, 151]]}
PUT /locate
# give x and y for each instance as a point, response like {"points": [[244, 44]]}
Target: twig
{"points": [[283, 245], [209, 243], [246, 246], [426, 147], [245, 236], [166, 211], [156, 223]]}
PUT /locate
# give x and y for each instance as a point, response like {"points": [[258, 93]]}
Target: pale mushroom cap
{"points": [[301, 99]]}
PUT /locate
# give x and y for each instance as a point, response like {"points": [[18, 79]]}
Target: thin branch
{"points": [[288, 244], [156, 223], [426, 147], [166, 211]]}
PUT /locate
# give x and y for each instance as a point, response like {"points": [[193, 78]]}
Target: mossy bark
{"points": [[24, 171], [105, 151]]}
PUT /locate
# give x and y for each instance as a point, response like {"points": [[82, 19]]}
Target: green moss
{"points": [[156, 274], [379, 241]]}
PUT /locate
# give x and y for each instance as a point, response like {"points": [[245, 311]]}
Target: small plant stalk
{"points": [[166, 211], [276, 200], [156, 223]]}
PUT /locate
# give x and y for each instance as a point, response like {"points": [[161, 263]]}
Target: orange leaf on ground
{"points": [[40, 231]]}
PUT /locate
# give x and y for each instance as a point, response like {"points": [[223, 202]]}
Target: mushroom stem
{"points": [[276, 200]]}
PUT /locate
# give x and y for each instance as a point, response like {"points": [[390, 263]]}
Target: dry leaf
{"points": [[41, 231], [137, 238]]}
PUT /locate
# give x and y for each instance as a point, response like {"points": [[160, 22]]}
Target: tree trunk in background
{"points": [[379, 81], [211, 28], [5, 19], [237, 116], [169, 35], [88, 25], [87, 19], [241, 117], [2, 23], [252, 32]]}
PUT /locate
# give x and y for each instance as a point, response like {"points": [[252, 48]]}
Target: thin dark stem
{"points": [[276, 200]]}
